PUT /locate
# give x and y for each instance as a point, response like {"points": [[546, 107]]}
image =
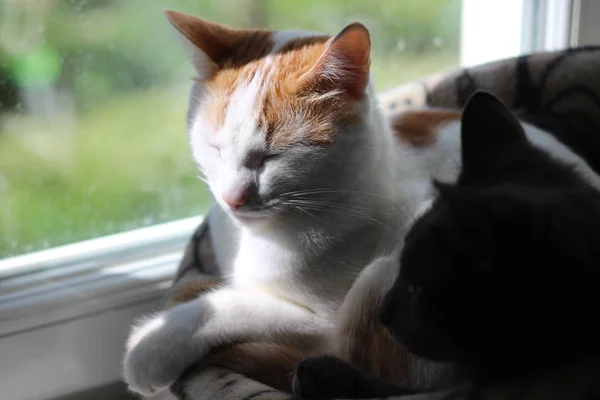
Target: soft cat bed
{"points": [[558, 91]]}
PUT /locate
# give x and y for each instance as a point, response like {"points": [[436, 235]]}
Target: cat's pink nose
{"points": [[237, 198]]}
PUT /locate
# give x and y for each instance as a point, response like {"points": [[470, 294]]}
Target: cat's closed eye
{"points": [[266, 159], [257, 159], [216, 149], [269, 157]]}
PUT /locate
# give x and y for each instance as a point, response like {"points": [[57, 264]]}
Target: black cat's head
{"points": [[484, 271]]}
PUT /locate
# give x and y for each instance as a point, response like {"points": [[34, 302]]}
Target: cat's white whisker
{"points": [[308, 191], [330, 191], [202, 178], [345, 206], [307, 205], [307, 212]]}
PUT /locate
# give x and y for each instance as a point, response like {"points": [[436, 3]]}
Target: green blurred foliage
{"points": [[110, 151], [112, 46]]}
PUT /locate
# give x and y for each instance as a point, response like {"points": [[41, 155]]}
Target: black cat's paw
{"points": [[322, 378], [328, 377]]}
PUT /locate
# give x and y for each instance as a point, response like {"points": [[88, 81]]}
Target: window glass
{"points": [[93, 97]]}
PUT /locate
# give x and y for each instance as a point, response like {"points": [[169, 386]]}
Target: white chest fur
{"points": [[263, 262]]}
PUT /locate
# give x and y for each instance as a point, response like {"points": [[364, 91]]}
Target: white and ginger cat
{"points": [[286, 130], [312, 187]]}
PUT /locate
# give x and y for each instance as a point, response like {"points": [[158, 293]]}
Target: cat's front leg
{"points": [[164, 346], [160, 348]]}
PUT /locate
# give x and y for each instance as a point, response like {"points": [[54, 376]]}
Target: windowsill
{"points": [[65, 312]]}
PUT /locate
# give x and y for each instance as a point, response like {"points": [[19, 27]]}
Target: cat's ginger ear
{"points": [[209, 42], [346, 62]]}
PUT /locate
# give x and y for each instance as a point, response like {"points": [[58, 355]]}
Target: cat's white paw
{"points": [[157, 354], [146, 375]]}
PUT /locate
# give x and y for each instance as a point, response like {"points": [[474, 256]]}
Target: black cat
{"points": [[503, 273], [500, 275]]}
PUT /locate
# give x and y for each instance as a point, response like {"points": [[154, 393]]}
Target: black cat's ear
{"points": [[487, 128]]}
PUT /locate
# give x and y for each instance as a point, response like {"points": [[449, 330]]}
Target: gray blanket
{"points": [[558, 91]]}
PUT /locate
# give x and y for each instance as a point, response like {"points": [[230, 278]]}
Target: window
{"points": [[98, 191], [92, 134]]}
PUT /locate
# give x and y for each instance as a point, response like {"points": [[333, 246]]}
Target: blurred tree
{"points": [[9, 90]]}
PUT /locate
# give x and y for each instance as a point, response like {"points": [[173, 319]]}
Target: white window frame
{"points": [[585, 30], [490, 30], [65, 312], [496, 29]]}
